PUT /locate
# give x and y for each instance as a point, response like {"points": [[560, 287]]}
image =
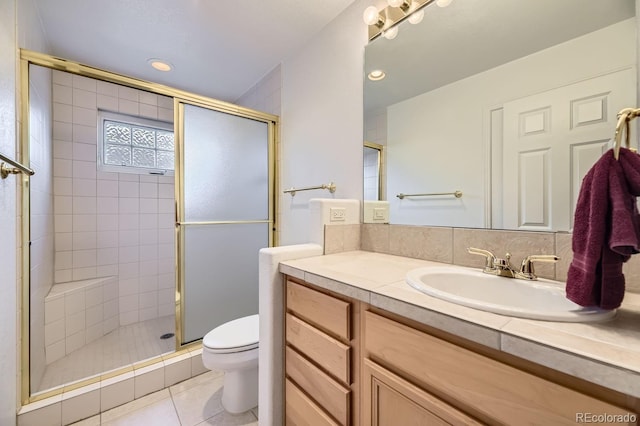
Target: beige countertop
{"points": [[606, 353]]}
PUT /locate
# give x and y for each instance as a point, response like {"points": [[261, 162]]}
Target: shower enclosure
{"points": [[224, 180], [144, 220]]}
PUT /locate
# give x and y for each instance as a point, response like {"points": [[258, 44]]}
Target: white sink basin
{"points": [[542, 299]]}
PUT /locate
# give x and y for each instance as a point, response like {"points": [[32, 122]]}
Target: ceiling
{"points": [[217, 48], [471, 36]]}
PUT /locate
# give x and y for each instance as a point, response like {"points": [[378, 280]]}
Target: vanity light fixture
{"points": [[376, 75], [371, 16], [405, 5], [384, 22], [159, 64]]}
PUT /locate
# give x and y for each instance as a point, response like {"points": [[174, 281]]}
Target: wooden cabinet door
{"points": [[489, 390], [389, 400]]}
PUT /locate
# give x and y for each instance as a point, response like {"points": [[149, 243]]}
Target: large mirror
{"points": [[508, 102]]}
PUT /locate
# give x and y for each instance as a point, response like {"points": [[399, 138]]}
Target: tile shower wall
{"points": [[42, 235], [371, 177], [449, 245], [77, 313], [111, 224]]}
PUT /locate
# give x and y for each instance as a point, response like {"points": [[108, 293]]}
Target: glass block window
{"points": [[135, 145]]}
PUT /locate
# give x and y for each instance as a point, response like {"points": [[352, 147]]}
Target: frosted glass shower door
{"points": [[225, 216]]}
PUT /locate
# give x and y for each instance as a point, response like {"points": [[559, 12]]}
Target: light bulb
{"points": [[390, 33], [443, 3], [371, 15], [416, 17], [405, 5]]}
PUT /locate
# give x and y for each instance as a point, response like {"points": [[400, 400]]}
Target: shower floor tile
{"points": [[121, 347]]}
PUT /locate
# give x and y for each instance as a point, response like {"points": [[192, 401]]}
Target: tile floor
{"points": [[190, 403], [123, 346]]}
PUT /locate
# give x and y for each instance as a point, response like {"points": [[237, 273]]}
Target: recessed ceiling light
{"points": [[160, 65], [376, 75]]}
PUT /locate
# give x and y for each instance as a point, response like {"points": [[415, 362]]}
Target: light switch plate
{"points": [[379, 213], [375, 211]]}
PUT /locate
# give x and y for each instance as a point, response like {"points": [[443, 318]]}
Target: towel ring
{"points": [[624, 117]]}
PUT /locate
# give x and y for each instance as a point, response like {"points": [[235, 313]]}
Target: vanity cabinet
{"points": [[320, 357], [349, 363], [444, 375]]}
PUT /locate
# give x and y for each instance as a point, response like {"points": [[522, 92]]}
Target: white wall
{"points": [[265, 94], [322, 125], [437, 141], [8, 212], [30, 32]]}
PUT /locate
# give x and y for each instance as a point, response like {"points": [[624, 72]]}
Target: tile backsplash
{"points": [[518, 244], [449, 245]]}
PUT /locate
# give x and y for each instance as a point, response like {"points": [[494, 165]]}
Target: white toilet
{"points": [[233, 348]]}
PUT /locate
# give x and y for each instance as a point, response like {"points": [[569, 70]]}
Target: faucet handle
{"points": [[490, 259], [503, 263], [527, 270]]}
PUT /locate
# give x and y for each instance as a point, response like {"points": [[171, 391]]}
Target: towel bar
{"points": [[331, 187], [17, 168], [457, 194]]}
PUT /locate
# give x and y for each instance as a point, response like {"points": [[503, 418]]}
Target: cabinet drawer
{"points": [[490, 390], [330, 354], [319, 309], [300, 410], [328, 393]]}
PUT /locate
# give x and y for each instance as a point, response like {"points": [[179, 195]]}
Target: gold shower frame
{"points": [[180, 97], [382, 190]]}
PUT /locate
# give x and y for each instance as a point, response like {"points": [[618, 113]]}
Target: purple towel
{"points": [[606, 231], [625, 231]]}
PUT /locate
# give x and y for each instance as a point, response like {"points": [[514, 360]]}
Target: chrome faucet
{"points": [[503, 267]]}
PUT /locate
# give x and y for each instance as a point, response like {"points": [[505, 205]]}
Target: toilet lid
{"points": [[241, 333]]}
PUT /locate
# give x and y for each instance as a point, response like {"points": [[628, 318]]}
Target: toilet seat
{"points": [[239, 335]]}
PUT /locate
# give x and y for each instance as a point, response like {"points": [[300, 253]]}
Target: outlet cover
{"points": [[337, 214]]}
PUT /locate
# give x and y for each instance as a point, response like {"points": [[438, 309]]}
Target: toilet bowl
{"points": [[233, 348]]}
